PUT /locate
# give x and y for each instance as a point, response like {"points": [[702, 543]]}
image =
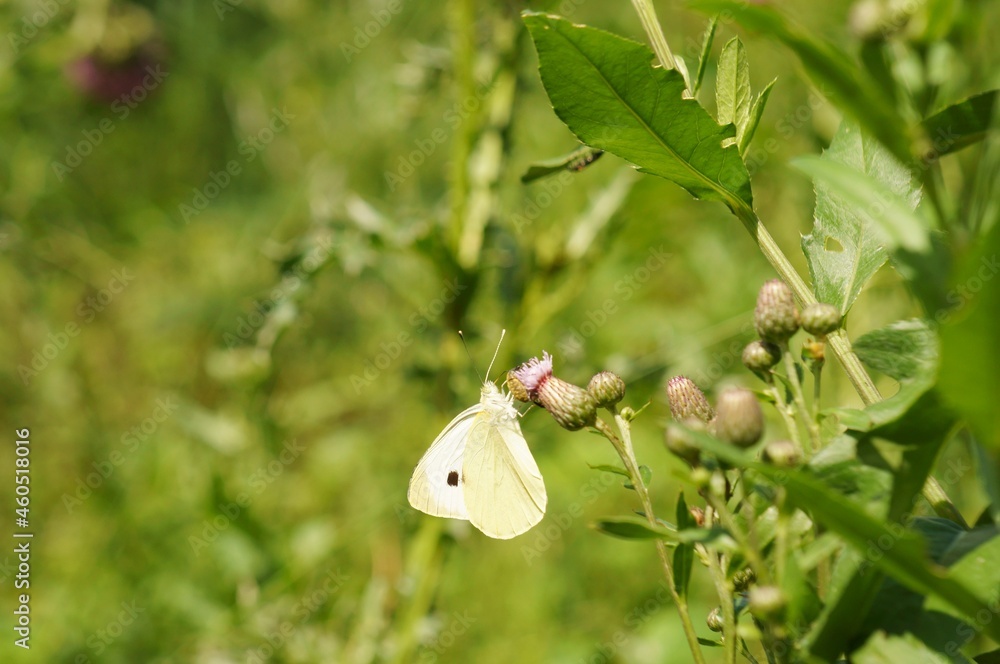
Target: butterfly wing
{"points": [[436, 484], [504, 491]]}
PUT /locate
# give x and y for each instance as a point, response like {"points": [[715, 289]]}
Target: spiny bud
{"points": [[686, 400], [743, 579], [767, 603], [607, 388], [680, 441], [820, 319], [740, 419], [571, 406], [759, 356], [776, 317], [783, 453], [714, 619]]}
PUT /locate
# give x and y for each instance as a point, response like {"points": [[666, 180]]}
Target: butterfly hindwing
{"points": [[504, 492]]}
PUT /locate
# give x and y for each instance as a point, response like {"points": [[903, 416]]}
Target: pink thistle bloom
{"points": [[533, 374]]}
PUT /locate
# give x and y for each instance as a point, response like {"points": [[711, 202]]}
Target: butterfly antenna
{"points": [[467, 352], [496, 352]]}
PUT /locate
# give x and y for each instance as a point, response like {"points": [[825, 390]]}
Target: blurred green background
{"points": [[237, 240]]}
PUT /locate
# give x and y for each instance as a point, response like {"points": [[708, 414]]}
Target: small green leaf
{"points": [[608, 93], [845, 249], [732, 86], [634, 527], [906, 351], [684, 553], [756, 112], [706, 51], [617, 470], [961, 124], [646, 474], [575, 161]]}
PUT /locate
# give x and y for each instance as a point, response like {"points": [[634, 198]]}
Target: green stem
{"points": [[716, 566], [791, 368], [623, 446], [647, 15], [790, 424]]}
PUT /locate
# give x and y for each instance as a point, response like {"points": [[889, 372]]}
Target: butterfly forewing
{"points": [[437, 482]]}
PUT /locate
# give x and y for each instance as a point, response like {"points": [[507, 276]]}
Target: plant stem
{"points": [[791, 368], [647, 14], [623, 446], [782, 407]]}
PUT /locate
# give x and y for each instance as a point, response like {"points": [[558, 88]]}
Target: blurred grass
{"points": [[339, 506]]}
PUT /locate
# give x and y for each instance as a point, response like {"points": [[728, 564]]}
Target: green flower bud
{"points": [[714, 619], [776, 316], [607, 388], [627, 413], [571, 406], [681, 443], [768, 603], [743, 579], [783, 454], [687, 401], [740, 419], [759, 356], [821, 319]]}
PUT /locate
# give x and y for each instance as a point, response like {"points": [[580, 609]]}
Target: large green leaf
{"points": [[835, 73], [960, 124], [894, 649], [608, 93], [846, 248], [970, 351]]}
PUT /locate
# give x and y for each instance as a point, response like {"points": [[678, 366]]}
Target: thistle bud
{"points": [[714, 619], [740, 420], [783, 454], [627, 413], [681, 443], [743, 579], [820, 319], [759, 356], [571, 406], [607, 388], [776, 316], [767, 603], [687, 401]]}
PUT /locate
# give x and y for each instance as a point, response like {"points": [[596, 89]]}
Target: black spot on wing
{"points": [[453, 478]]}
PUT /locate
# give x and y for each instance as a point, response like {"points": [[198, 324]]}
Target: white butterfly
{"points": [[479, 469]]}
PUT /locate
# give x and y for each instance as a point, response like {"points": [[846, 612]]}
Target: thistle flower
{"points": [[776, 316], [572, 407], [740, 420], [607, 388], [820, 319], [759, 356], [687, 401]]}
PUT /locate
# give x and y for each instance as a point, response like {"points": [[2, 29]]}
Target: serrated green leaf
{"points": [[835, 73], [732, 86], [756, 112], [906, 351], [961, 124], [606, 90], [845, 249], [575, 161], [706, 51], [894, 221]]}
